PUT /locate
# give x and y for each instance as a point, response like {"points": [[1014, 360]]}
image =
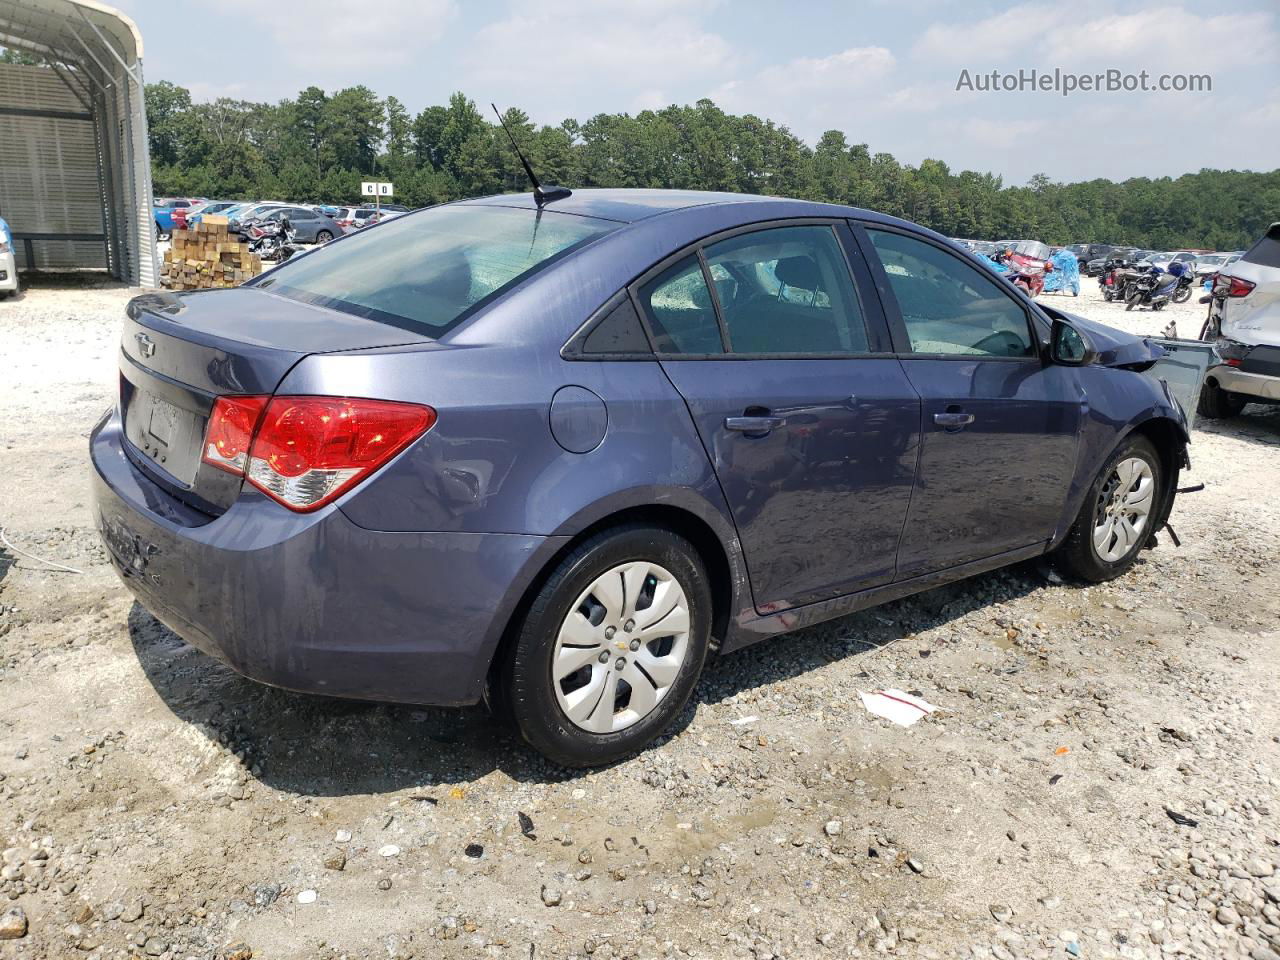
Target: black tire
{"points": [[323, 236], [1182, 295], [1078, 556], [525, 681], [1218, 404], [161, 232], [1132, 299]]}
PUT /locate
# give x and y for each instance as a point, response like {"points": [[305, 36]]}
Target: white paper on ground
{"points": [[896, 706]]}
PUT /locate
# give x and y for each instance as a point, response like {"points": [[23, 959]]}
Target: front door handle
{"points": [[953, 420], [754, 425]]}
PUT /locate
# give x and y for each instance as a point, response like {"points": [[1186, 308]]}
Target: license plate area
{"points": [[166, 433]]}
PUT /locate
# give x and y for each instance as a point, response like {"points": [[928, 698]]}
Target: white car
{"points": [[8, 264], [1244, 323]]}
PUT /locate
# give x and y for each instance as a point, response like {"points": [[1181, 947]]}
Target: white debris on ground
{"points": [[1100, 781]]}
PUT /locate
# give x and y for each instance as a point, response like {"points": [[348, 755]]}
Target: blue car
{"points": [[553, 454]]}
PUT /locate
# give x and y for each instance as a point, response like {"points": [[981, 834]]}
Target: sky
{"points": [[885, 72]]}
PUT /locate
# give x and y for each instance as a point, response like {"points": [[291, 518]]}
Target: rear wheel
{"points": [[161, 232], [1218, 404], [610, 651], [323, 236], [1182, 295], [1118, 516]]}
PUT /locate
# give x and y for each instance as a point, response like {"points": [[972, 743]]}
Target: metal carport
{"points": [[75, 169]]}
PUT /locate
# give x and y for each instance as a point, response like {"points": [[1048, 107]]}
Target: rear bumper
{"points": [[8, 271], [313, 602], [1250, 384]]}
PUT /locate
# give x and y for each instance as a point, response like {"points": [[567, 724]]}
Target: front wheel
{"points": [[1118, 516], [611, 648], [1132, 300], [161, 232]]}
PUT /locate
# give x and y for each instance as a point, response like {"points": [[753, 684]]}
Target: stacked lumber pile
{"points": [[207, 256]]}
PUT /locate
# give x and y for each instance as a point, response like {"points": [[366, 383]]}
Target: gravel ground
{"points": [[1100, 779]]}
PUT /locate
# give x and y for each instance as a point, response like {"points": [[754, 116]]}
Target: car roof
{"points": [[624, 204]]}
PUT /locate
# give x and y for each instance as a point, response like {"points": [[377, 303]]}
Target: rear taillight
{"points": [[304, 452], [1232, 286], [231, 426]]}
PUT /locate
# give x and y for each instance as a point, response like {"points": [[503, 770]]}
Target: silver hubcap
{"points": [[621, 647], [1124, 509]]}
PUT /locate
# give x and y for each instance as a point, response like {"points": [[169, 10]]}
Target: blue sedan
{"points": [[554, 452]]}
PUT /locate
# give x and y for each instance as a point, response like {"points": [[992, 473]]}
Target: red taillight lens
{"points": [[1224, 284], [1240, 288], [230, 432], [309, 450]]}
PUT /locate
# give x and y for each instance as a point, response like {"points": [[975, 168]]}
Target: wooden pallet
{"points": [[207, 257]]}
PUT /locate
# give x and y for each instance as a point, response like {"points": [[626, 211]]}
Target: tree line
{"points": [[318, 146]]}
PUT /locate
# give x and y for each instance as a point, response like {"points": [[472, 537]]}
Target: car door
{"points": [[999, 425], [810, 422]]}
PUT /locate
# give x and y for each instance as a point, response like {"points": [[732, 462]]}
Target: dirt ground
{"points": [[153, 803]]}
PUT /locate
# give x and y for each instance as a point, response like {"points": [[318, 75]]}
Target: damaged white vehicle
{"points": [[1244, 325]]}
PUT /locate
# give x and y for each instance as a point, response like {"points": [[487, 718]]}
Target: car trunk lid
{"points": [[179, 352]]}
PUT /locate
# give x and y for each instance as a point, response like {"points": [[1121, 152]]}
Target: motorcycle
{"points": [[1153, 287], [1027, 263], [272, 240], [1185, 283], [1114, 278]]}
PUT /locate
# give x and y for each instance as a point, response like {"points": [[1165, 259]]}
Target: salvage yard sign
{"points": [[372, 188]]}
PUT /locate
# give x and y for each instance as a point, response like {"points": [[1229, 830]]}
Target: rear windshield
{"points": [[1266, 252], [429, 271]]}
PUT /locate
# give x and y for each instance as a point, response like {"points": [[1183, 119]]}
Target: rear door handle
{"points": [[952, 420], [757, 425]]}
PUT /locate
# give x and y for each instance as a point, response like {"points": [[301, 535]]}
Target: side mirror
{"points": [[1070, 347]]}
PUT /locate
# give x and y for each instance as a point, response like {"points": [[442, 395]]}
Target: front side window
{"points": [[680, 310], [948, 306], [429, 271], [787, 290]]}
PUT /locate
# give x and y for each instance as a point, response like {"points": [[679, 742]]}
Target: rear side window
{"points": [[948, 306], [787, 291], [429, 271], [680, 311], [1266, 252]]}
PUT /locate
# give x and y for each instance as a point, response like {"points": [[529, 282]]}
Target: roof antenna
{"points": [[541, 195]]}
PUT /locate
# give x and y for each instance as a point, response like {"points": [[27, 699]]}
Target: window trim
{"points": [[871, 318], [893, 312]]}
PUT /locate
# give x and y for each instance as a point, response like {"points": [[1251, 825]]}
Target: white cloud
{"points": [[355, 35], [990, 41], [812, 94], [1167, 39], [608, 44]]}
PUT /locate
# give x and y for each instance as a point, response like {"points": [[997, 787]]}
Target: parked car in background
{"points": [[527, 453], [1207, 264], [1244, 325], [1162, 260], [185, 217], [8, 262], [353, 218], [163, 211], [1095, 266], [251, 211], [1086, 252], [230, 212], [308, 225]]}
